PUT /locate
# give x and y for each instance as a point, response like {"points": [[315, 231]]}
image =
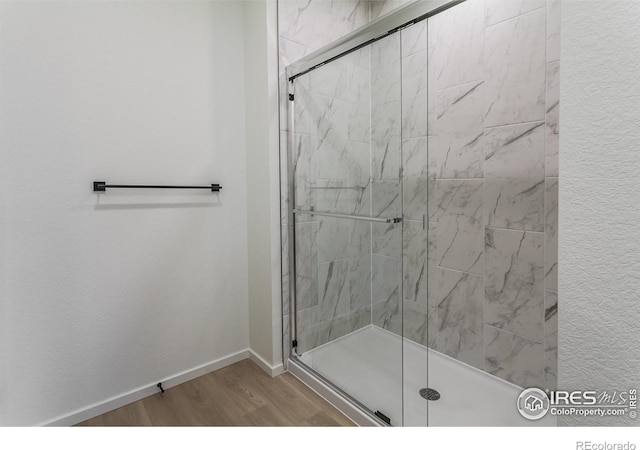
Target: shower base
{"points": [[369, 365]]}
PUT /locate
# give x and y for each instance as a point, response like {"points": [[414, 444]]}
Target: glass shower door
{"points": [[347, 161]]}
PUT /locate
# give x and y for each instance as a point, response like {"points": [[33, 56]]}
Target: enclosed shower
{"points": [[422, 222]]}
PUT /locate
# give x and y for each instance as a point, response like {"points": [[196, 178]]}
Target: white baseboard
{"points": [[271, 370], [354, 413], [138, 394]]}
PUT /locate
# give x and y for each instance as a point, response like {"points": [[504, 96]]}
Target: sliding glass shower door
{"points": [[347, 168]]}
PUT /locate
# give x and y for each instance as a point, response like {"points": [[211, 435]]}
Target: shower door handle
{"points": [[349, 216]]}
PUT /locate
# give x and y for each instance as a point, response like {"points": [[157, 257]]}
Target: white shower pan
{"points": [[369, 365]]}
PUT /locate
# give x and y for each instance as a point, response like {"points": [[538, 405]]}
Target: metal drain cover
{"points": [[429, 394]]}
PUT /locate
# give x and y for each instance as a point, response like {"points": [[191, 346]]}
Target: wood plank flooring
{"points": [[238, 395]]}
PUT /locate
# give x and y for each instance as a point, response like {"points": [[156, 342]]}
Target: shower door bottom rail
{"points": [[349, 216]]}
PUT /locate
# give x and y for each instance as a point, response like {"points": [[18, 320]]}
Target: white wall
{"points": [[599, 232], [106, 294], [263, 181]]}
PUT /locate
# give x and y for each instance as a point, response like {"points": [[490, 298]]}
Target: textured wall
{"points": [[104, 295], [599, 239]]}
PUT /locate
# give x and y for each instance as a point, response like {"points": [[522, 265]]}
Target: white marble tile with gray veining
{"points": [[331, 137], [345, 17], [513, 358], [460, 198], [515, 151], [385, 200], [359, 106], [501, 10], [432, 170], [291, 51], [333, 289], [415, 264], [432, 265], [460, 316], [315, 23], [385, 141], [388, 315], [460, 243], [459, 234], [460, 131], [514, 282], [432, 90], [359, 318], [462, 344], [515, 70], [550, 340], [302, 105], [420, 323], [385, 70], [415, 119], [305, 171], [457, 35], [459, 109], [414, 74], [333, 239], [306, 327], [551, 235], [552, 128], [553, 30], [332, 196], [517, 204], [460, 300], [514, 170], [385, 279], [333, 79], [415, 176], [329, 330], [359, 182], [295, 20], [360, 265], [386, 239], [306, 265], [414, 38]]}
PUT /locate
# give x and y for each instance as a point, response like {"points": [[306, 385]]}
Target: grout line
{"points": [[515, 334], [546, 185], [515, 17], [517, 123], [484, 176], [513, 229]]}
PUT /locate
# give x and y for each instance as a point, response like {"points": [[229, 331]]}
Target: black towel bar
{"points": [[102, 186]]}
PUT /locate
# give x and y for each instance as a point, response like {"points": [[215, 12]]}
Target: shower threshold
{"points": [[368, 365]]}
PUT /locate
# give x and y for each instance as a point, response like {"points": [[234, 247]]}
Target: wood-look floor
{"points": [[238, 395]]}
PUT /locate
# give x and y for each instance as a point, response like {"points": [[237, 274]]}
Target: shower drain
{"points": [[429, 394]]}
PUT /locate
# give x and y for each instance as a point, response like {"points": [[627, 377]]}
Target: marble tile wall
{"points": [[305, 26], [333, 164], [458, 132], [492, 147]]}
